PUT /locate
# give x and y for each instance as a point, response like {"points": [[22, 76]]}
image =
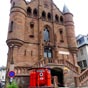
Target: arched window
{"points": [[61, 35], [29, 11], [25, 52], [48, 52], [35, 12], [61, 19], [43, 14], [11, 27], [46, 35], [31, 25], [31, 29], [56, 18], [49, 16], [13, 4]]}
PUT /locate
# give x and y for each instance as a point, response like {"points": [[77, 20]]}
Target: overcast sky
{"points": [[77, 7]]}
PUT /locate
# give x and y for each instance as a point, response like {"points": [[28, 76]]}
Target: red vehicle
{"points": [[40, 77]]}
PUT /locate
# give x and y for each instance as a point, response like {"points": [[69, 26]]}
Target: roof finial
{"points": [[65, 9]]}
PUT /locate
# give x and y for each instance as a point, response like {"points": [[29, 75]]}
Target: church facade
{"points": [[40, 35]]}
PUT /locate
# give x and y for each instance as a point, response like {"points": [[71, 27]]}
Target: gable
{"points": [[57, 10]]}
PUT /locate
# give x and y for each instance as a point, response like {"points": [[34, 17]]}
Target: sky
{"points": [[77, 7]]}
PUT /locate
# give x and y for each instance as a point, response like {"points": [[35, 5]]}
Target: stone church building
{"points": [[40, 35]]}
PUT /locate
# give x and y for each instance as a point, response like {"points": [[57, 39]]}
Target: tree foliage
{"points": [[12, 85]]}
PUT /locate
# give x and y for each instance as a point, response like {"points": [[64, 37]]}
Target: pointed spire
{"points": [[65, 9]]}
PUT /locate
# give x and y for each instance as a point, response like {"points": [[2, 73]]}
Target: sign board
{"points": [[11, 74], [64, 52]]}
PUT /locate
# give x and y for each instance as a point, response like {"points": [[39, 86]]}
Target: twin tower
{"points": [[40, 35]]}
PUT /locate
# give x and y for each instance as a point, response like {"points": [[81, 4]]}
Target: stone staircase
{"points": [[82, 79], [44, 63], [57, 62]]}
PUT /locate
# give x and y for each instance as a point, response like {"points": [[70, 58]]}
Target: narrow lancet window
{"points": [[46, 35]]}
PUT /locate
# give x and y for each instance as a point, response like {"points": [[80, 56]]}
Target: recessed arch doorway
{"points": [[57, 77]]}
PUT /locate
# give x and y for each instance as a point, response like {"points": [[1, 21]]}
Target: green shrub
{"points": [[12, 85]]}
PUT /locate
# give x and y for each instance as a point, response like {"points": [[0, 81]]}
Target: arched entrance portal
{"points": [[57, 77]]}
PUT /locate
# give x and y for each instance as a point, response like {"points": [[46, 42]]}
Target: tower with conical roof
{"points": [[65, 9], [68, 20], [40, 35]]}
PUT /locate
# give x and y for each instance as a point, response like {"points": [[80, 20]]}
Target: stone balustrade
{"points": [[21, 71], [82, 78], [71, 66], [47, 61]]}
